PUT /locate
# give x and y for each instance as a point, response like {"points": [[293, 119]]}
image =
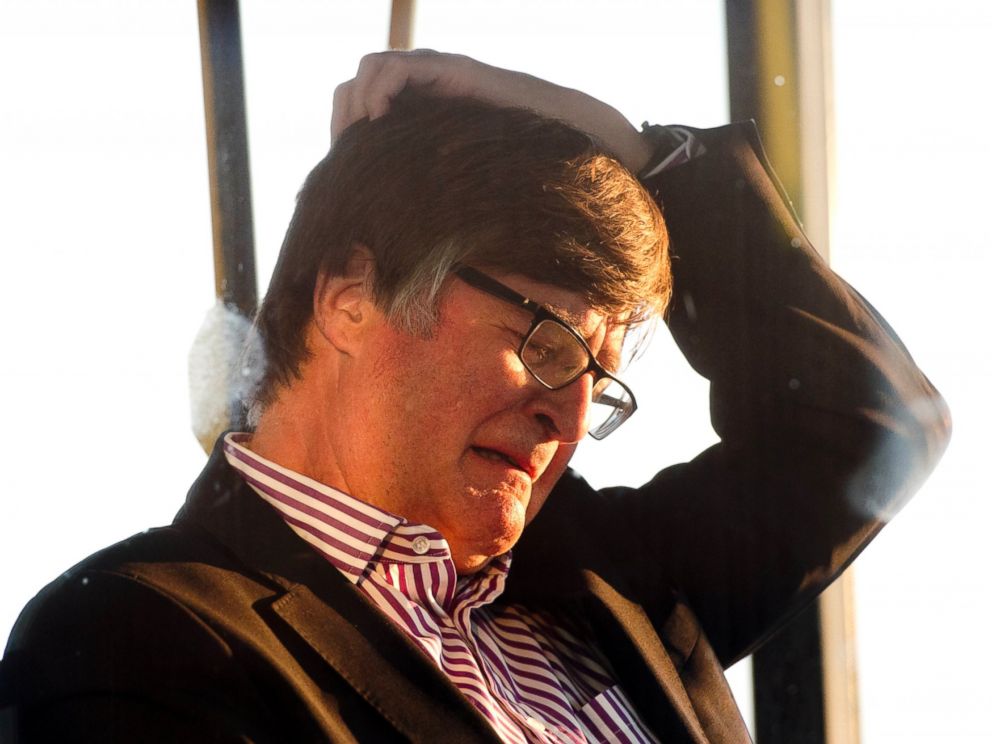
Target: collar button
{"points": [[421, 545]]}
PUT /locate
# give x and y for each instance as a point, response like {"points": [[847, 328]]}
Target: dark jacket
{"points": [[226, 626]]}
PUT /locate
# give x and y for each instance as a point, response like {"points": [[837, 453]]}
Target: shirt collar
{"points": [[357, 537]]}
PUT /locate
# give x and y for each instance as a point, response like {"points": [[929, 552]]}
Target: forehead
{"points": [[570, 306]]}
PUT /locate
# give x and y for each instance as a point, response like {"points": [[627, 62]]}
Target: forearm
{"points": [[826, 424], [760, 314]]}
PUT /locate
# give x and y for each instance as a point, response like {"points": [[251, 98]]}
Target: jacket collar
{"points": [[382, 664], [328, 613], [590, 581]]}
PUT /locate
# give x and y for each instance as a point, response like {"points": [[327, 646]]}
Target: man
{"points": [[382, 558]]}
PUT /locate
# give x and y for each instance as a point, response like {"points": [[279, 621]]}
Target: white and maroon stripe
{"points": [[533, 679]]}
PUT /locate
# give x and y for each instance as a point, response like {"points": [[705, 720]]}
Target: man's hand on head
{"points": [[383, 75]]}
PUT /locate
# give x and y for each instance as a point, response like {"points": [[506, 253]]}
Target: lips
{"points": [[499, 455]]}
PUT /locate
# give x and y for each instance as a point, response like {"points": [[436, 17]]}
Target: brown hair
{"points": [[443, 181]]}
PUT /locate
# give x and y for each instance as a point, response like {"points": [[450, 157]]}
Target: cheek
{"points": [[446, 386], [477, 379], [548, 479]]}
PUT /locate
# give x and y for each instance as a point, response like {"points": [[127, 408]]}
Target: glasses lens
{"points": [[557, 358], [612, 404], [553, 355]]}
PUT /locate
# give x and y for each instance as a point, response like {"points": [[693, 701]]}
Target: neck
{"points": [[293, 432]]}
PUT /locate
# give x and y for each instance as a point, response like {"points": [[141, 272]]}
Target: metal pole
{"points": [[401, 24], [227, 154], [230, 182], [779, 75]]}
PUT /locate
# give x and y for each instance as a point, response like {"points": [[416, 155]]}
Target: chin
{"points": [[487, 522], [471, 564], [478, 552]]}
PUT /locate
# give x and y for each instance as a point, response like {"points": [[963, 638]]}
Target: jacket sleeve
{"points": [[826, 425]]}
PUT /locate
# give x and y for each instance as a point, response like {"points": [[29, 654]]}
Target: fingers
{"points": [[383, 75], [379, 79], [339, 115]]}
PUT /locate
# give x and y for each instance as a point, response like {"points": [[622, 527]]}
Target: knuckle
{"points": [[369, 62]]}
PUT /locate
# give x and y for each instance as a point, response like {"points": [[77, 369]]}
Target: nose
{"points": [[564, 412]]}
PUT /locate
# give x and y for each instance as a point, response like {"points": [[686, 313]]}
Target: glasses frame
{"points": [[485, 283]]}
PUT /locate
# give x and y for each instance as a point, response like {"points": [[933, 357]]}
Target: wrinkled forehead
{"points": [[582, 313], [604, 332], [567, 304], [590, 319]]}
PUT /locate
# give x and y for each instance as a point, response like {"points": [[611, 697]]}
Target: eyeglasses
{"points": [[556, 355]]}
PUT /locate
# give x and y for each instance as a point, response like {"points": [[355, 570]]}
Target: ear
{"points": [[343, 306]]}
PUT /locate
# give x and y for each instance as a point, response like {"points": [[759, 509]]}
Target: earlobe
{"points": [[343, 304]]}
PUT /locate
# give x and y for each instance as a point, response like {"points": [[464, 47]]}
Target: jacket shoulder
{"points": [[113, 605], [125, 637]]}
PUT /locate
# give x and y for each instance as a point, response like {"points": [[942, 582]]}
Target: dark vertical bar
{"points": [[227, 154], [227, 161], [763, 73], [742, 63], [788, 684], [763, 77]]}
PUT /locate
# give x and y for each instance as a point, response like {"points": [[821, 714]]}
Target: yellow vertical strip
{"points": [[795, 105], [778, 89], [401, 24], [816, 119], [840, 681]]}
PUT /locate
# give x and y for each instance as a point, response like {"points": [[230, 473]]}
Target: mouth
{"points": [[501, 457]]}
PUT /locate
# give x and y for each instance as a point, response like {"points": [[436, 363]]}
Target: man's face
{"points": [[452, 431]]}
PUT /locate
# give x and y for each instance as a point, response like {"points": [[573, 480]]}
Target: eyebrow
{"points": [[569, 317], [575, 321], [486, 283]]}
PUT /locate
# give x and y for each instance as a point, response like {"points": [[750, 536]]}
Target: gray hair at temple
{"points": [[442, 181]]}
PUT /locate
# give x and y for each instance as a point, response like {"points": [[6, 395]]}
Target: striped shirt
{"points": [[533, 677]]}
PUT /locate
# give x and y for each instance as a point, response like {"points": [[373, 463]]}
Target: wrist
{"points": [[670, 146]]}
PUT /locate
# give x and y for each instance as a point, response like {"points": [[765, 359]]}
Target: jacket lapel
{"points": [[330, 614], [383, 666], [641, 662]]}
